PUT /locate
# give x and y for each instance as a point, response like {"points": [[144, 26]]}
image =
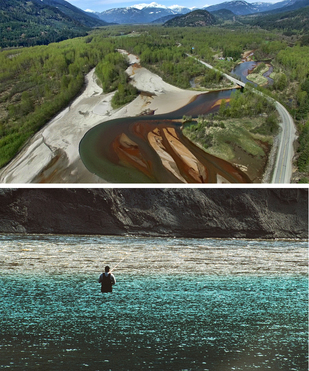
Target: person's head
{"points": [[107, 269]]}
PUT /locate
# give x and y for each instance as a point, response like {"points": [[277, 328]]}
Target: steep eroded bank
{"points": [[222, 213]]}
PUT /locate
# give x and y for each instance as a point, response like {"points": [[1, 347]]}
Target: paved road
{"points": [[283, 168], [282, 171]]}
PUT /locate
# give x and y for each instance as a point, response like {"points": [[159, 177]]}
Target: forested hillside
{"points": [[223, 15], [84, 18], [27, 23], [37, 82], [290, 23], [197, 18]]}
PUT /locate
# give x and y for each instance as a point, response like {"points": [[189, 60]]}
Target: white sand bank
{"points": [[52, 155]]}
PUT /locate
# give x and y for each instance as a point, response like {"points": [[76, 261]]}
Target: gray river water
{"points": [[243, 69], [178, 304]]}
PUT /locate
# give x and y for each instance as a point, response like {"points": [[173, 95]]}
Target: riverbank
{"points": [[52, 155], [186, 212], [258, 77]]}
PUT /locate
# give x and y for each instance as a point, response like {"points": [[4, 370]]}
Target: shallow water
{"points": [[242, 70], [68, 254], [195, 304], [103, 155]]}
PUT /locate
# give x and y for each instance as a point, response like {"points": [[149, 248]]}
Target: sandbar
{"points": [[52, 154]]}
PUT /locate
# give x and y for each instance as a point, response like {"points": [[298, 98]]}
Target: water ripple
{"points": [[180, 304]]}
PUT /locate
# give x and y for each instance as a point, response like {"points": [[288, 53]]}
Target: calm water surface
{"points": [[99, 148], [179, 304], [243, 69]]}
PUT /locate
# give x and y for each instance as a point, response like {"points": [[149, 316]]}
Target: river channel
{"points": [[152, 149], [178, 304], [242, 70]]}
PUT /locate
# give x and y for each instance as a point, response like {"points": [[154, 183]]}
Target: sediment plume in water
{"points": [[153, 150]]}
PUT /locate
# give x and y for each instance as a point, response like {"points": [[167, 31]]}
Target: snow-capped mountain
{"points": [[141, 13], [238, 7], [181, 9], [175, 8], [241, 7], [151, 5], [147, 13]]}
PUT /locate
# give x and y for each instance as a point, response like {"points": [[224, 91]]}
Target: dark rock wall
{"points": [[187, 212]]}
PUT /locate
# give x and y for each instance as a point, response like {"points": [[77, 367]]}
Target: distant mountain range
{"points": [[240, 7], [155, 13], [27, 23], [291, 22], [141, 13], [219, 16]]}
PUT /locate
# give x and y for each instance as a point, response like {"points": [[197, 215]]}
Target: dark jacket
{"points": [[107, 281]]}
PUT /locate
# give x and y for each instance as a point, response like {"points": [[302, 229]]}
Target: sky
{"points": [[101, 5]]}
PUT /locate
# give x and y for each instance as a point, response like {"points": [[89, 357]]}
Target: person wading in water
{"points": [[107, 280]]}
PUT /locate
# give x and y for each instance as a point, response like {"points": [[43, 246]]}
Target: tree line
{"points": [[292, 89], [111, 72], [246, 104]]}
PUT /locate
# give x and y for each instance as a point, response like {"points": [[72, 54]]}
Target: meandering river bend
{"points": [[242, 70], [152, 149], [181, 304]]}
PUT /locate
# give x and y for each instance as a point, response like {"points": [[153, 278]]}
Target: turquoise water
{"points": [[164, 318]]}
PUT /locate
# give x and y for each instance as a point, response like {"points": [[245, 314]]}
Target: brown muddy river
{"points": [[152, 149]]}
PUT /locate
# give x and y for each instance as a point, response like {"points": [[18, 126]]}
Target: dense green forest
{"points": [[111, 72], [37, 82], [197, 18], [236, 128]]}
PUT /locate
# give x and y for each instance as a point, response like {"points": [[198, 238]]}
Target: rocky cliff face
{"points": [[222, 213]]}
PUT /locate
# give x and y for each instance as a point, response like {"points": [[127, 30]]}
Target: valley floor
{"points": [[52, 155]]}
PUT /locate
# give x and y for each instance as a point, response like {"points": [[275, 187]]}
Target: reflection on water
{"points": [[242, 70], [195, 304]]}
